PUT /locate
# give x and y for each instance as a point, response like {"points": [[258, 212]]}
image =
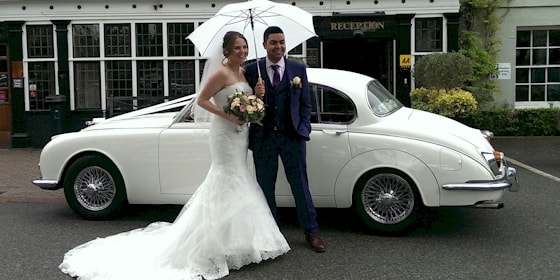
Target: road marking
{"points": [[534, 170]]}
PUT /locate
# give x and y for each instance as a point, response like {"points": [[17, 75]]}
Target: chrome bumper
{"points": [[46, 184], [507, 180]]}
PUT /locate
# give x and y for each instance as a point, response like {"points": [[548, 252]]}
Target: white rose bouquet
{"points": [[246, 107]]}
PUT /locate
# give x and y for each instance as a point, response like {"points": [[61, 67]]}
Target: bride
{"points": [[225, 225]]}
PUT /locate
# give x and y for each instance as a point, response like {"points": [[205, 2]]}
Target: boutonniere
{"points": [[296, 82]]}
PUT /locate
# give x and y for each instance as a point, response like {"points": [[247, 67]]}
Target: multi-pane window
{"points": [[85, 40], [41, 69], [117, 40], [181, 72], [118, 84], [537, 72], [150, 82], [428, 34], [87, 84], [136, 64], [149, 39]]}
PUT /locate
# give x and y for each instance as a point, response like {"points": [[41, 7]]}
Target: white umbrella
{"points": [[251, 18]]}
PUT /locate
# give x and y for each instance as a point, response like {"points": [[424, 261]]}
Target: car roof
{"points": [[339, 79]]}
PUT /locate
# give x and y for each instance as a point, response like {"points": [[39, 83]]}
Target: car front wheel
{"points": [[94, 188], [387, 202]]}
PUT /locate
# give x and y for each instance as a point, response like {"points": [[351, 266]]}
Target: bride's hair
{"points": [[229, 41]]}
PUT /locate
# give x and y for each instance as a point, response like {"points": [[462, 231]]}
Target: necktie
{"points": [[276, 77]]}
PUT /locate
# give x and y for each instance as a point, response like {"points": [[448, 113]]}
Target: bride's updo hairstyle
{"points": [[229, 40]]}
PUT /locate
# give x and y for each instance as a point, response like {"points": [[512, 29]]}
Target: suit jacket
{"points": [[298, 96]]}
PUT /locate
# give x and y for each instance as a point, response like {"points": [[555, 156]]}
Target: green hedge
{"points": [[516, 122]]}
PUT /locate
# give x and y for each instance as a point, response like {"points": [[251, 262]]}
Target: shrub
{"points": [[518, 122], [450, 103], [442, 71]]}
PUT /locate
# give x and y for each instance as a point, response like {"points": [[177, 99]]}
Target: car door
{"points": [[328, 150], [184, 158]]}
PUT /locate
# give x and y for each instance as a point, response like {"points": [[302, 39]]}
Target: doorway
{"points": [[369, 56], [5, 108]]}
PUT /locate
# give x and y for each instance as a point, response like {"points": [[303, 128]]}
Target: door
{"points": [[369, 56], [5, 109]]}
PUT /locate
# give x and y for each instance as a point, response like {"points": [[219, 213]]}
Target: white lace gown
{"points": [[225, 225]]}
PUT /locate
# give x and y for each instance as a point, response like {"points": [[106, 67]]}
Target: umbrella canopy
{"points": [[251, 18]]}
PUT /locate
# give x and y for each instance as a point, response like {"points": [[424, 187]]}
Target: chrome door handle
{"points": [[335, 132]]}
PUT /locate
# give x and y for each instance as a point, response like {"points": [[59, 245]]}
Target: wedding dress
{"points": [[225, 225]]}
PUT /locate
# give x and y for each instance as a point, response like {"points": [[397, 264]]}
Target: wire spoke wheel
{"points": [[387, 202], [94, 188], [388, 198]]}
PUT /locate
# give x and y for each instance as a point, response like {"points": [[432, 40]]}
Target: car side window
{"points": [[330, 106]]}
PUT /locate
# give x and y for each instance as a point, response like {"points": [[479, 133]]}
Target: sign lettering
{"points": [[404, 60], [359, 25]]}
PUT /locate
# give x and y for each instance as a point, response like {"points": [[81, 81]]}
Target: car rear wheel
{"points": [[387, 202], [94, 188]]}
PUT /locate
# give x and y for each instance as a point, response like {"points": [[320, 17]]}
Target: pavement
{"points": [[19, 166]]}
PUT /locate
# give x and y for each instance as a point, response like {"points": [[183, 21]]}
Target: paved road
{"points": [[517, 242]]}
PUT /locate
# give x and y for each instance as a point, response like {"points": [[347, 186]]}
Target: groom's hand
{"points": [[259, 88]]}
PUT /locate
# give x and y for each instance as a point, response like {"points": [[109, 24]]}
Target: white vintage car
{"points": [[367, 151]]}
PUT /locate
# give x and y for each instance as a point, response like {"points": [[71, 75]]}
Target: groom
{"points": [[286, 128]]}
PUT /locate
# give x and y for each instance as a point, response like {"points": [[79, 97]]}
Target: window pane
{"points": [[150, 82], [177, 44], [85, 39], [118, 79], [522, 93], [522, 75], [523, 38], [149, 39], [554, 74], [538, 75], [41, 84], [333, 107], [428, 34], [40, 41], [117, 40], [554, 56], [523, 57], [553, 92], [537, 93], [539, 38], [87, 85], [554, 38], [181, 78], [539, 57]]}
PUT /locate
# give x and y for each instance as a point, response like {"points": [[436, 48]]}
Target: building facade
{"points": [[529, 56], [63, 63]]}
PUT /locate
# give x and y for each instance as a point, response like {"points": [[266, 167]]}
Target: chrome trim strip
{"points": [[507, 180]]}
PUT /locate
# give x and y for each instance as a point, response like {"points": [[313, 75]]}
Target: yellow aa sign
{"points": [[404, 60]]}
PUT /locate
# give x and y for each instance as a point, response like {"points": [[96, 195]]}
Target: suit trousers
{"points": [[292, 152]]}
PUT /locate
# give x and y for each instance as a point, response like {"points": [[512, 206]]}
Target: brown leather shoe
{"points": [[314, 241]]}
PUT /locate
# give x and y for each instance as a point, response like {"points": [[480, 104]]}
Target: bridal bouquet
{"points": [[246, 107]]}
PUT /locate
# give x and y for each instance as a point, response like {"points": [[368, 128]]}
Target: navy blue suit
{"points": [[284, 133]]}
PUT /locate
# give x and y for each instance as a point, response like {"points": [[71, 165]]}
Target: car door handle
{"points": [[335, 132]]}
